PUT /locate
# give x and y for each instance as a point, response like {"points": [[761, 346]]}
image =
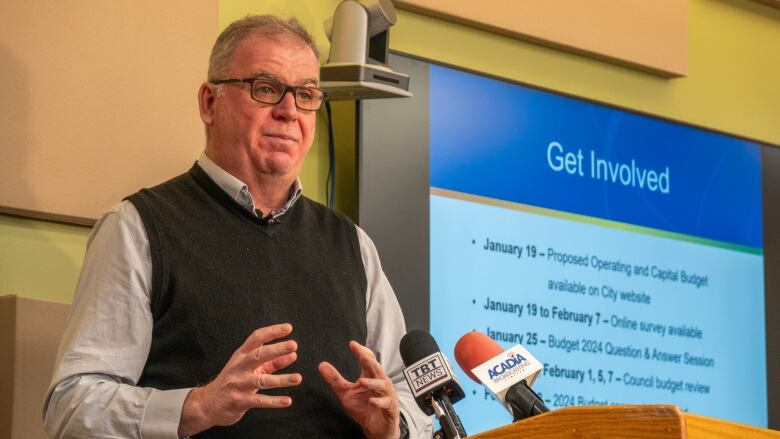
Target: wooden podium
{"points": [[624, 421]]}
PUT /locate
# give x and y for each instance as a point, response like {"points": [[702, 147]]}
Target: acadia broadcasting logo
{"points": [[499, 373], [512, 364]]}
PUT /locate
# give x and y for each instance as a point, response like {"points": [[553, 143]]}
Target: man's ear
{"points": [[206, 96]]}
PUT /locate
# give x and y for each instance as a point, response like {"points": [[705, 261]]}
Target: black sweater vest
{"points": [[219, 273]]}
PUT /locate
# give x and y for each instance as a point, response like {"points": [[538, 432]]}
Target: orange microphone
{"points": [[473, 349], [506, 373]]}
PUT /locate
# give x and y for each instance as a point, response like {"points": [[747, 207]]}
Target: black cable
{"points": [[330, 182], [453, 417]]}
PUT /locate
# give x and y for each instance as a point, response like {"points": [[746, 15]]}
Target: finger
{"points": [[270, 402], [279, 363], [375, 385], [361, 351], [333, 377], [367, 359], [383, 402], [268, 352], [264, 335], [266, 381]]}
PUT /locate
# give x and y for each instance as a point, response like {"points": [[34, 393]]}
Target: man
{"points": [[222, 303]]}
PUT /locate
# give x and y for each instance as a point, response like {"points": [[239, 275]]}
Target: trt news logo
{"points": [[506, 369], [426, 373]]}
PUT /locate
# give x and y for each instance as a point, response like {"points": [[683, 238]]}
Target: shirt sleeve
{"points": [[386, 326], [94, 392]]}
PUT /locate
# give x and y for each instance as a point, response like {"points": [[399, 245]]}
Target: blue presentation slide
{"points": [[625, 252]]}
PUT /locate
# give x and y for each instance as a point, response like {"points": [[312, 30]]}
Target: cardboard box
{"points": [[30, 332]]}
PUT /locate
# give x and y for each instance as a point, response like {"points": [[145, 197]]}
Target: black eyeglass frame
{"points": [[291, 88]]}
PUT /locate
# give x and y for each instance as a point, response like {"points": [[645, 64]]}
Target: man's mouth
{"points": [[282, 137]]}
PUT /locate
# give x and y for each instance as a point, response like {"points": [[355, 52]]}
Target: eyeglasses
{"points": [[271, 91]]}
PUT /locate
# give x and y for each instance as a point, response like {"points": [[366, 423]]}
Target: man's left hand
{"points": [[371, 400]]}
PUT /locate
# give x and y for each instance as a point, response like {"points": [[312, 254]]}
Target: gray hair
{"points": [[262, 25]]}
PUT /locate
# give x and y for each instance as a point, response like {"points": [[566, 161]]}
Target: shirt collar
{"points": [[239, 191]]}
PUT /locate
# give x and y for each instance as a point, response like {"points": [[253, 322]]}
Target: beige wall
{"points": [[99, 99], [616, 31], [104, 102], [732, 86]]}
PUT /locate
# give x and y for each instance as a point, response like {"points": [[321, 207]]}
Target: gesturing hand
{"points": [[371, 400], [225, 400]]}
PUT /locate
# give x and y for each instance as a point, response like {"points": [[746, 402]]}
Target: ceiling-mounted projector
{"points": [[357, 63]]}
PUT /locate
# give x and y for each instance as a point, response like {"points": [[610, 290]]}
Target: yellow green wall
{"points": [[733, 86], [40, 259]]}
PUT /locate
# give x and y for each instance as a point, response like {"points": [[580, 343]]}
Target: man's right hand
{"points": [[237, 388]]}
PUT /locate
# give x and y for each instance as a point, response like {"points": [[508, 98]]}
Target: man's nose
{"points": [[286, 108]]}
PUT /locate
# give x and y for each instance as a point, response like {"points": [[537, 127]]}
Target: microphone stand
{"points": [[524, 402], [451, 427]]}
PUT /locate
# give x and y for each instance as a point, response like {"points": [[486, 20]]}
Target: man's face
{"points": [[251, 138]]}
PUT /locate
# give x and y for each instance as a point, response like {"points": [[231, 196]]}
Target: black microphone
{"points": [[432, 381], [508, 374]]}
